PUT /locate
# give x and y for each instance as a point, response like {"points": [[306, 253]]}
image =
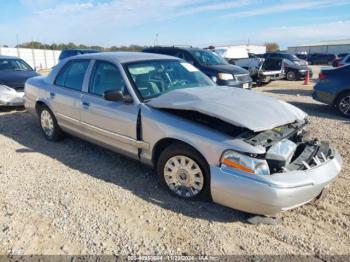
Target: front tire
{"points": [[291, 76], [48, 124], [343, 104], [184, 172]]}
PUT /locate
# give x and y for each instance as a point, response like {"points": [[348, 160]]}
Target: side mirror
{"points": [[116, 96]]}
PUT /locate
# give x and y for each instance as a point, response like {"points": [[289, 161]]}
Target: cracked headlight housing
{"points": [[243, 163]]}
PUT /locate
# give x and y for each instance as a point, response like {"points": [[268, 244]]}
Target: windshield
{"points": [[205, 57], [14, 64], [154, 78], [290, 57]]}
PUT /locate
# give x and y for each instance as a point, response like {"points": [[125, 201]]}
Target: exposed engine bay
{"points": [[286, 149]]}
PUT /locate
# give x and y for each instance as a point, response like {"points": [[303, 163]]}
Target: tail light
{"points": [[322, 76]]}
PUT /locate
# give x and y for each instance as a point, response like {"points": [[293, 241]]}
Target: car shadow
{"points": [[291, 92], [108, 166]]}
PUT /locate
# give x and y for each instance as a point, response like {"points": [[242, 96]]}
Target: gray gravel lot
{"points": [[73, 197]]}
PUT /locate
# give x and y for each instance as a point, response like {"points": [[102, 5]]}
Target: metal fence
{"points": [[36, 58]]}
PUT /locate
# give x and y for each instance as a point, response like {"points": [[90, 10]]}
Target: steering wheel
{"points": [[180, 83]]}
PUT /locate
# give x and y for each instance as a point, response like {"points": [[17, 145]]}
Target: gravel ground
{"points": [[74, 197]]}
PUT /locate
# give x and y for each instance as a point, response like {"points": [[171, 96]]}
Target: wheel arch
{"points": [[39, 104], [165, 142]]}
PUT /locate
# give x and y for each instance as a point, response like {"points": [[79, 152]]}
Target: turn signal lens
{"points": [[233, 164], [244, 163]]}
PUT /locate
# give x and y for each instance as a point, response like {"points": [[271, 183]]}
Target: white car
{"points": [[13, 73]]}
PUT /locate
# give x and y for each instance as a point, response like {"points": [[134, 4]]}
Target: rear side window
{"points": [[105, 77], [348, 60], [72, 75], [67, 53]]}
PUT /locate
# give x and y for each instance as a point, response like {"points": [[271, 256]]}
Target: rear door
{"points": [[65, 96], [111, 123]]}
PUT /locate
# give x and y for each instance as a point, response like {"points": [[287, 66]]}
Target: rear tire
{"points": [[183, 172], [48, 124], [343, 104]]}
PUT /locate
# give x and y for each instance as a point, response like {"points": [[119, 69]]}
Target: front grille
{"points": [[243, 78]]}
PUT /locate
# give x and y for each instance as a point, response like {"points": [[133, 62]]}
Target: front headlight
{"points": [[243, 163], [224, 76], [6, 88]]}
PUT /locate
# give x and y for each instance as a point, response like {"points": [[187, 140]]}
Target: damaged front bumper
{"points": [[269, 195]]}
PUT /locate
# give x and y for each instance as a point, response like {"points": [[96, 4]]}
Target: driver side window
{"points": [[105, 77]]}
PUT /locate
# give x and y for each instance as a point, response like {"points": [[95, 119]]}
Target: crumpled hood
{"points": [[243, 108]]}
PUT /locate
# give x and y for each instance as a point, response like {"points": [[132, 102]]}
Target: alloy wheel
{"points": [[344, 105]]}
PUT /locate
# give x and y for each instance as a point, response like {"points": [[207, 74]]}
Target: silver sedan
{"points": [[237, 147]]}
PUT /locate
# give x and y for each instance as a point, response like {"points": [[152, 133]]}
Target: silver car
{"points": [[237, 147]]}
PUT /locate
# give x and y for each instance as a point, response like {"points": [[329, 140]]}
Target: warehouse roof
{"points": [[325, 43]]}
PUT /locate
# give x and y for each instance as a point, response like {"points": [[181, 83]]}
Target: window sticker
{"points": [[189, 67]]}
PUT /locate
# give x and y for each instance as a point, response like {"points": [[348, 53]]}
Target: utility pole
{"points": [[17, 44], [156, 39]]}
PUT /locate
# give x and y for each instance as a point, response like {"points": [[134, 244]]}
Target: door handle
{"points": [[52, 95]]}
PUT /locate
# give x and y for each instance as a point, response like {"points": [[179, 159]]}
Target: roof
{"points": [[174, 47], [325, 43], [8, 57], [80, 49], [125, 57]]}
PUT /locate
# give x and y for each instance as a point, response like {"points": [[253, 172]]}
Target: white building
{"points": [[325, 47], [254, 49]]}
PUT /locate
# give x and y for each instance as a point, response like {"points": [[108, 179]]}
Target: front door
{"points": [[110, 123]]}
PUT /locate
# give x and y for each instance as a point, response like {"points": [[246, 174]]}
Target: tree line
{"points": [[271, 46], [39, 45]]}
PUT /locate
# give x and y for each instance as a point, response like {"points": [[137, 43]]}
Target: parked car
{"points": [[13, 73], [322, 59], [333, 88], [302, 56], [340, 57], [210, 63], [73, 52], [255, 65], [344, 61], [294, 68], [240, 148]]}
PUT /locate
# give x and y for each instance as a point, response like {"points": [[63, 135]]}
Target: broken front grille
{"points": [[310, 155]]}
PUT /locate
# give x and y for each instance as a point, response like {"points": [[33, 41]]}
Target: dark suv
{"points": [[294, 67], [322, 59], [210, 63], [73, 52]]}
